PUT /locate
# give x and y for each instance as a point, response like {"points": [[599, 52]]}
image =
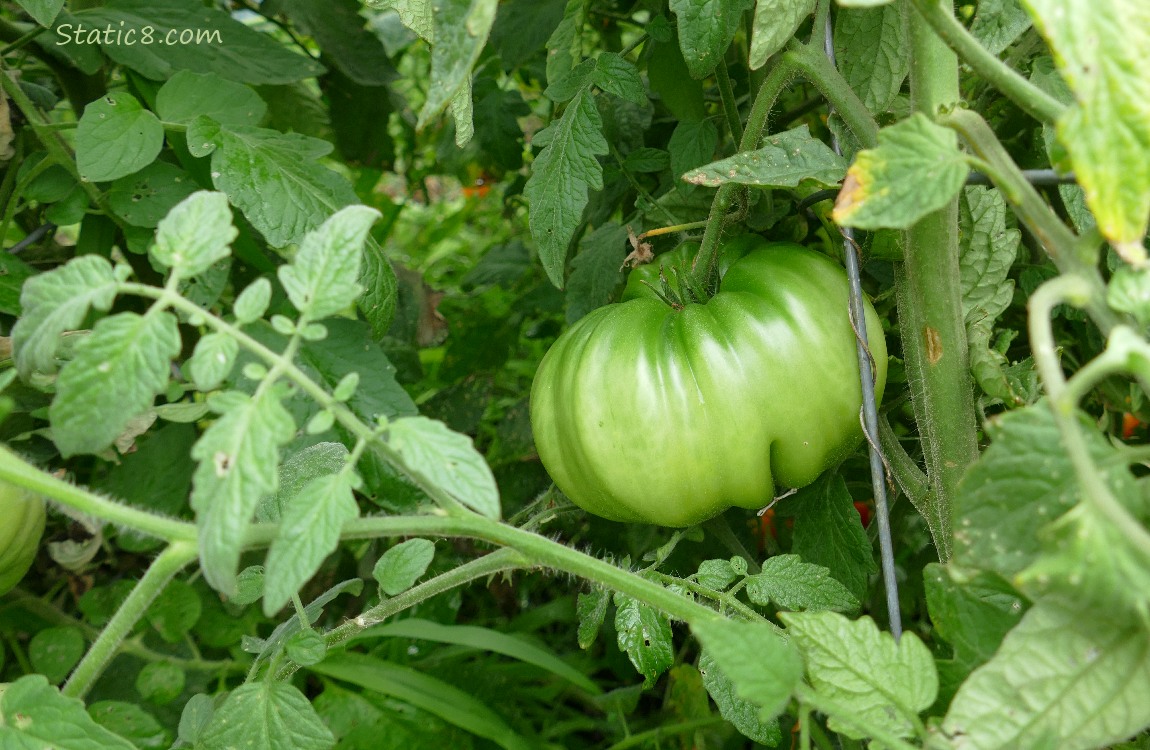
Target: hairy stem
{"points": [[161, 571], [931, 315]]}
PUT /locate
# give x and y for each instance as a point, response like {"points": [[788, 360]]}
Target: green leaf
{"points": [[795, 585], [55, 302], [238, 456], [1023, 482], [175, 611], [416, 15], [35, 716], [972, 615], [864, 671], [349, 348], [116, 136], [1090, 562], [55, 652], [460, 33], [998, 24], [692, 144], [144, 198], [400, 567], [265, 714], [338, 29], [445, 459], [786, 160], [616, 75], [591, 607], [298, 470], [379, 301], [308, 532], [988, 250], [485, 640], [323, 278], [716, 574], [564, 46], [44, 12], [195, 234], [1102, 50], [562, 174], [596, 271], [706, 28], [916, 169], [1059, 680], [213, 360], [872, 51], [253, 301], [763, 668], [669, 78], [147, 39], [775, 23], [644, 634], [742, 714], [273, 178], [114, 377], [828, 532], [424, 692], [187, 95]]}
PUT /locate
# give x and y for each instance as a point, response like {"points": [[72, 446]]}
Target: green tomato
{"points": [[23, 524], [646, 413]]}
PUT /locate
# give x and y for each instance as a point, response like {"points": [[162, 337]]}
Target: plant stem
{"points": [[1063, 402], [667, 731], [538, 550], [23, 474], [162, 569], [931, 315], [730, 108], [500, 561], [1034, 101]]}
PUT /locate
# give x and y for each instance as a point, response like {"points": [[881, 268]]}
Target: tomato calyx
{"points": [[682, 288]]}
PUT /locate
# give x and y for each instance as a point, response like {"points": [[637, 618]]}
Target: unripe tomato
{"points": [[21, 525], [644, 412]]}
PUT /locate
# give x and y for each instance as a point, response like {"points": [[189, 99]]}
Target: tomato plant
{"points": [[645, 412]]}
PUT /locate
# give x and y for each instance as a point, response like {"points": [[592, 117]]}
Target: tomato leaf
{"points": [[595, 271], [55, 302], [795, 585], [274, 178], [742, 714], [323, 277], [460, 29], [872, 51], [238, 458], [828, 532], [219, 43], [864, 671], [445, 459], [1102, 49], [116, 136], [1060, 678], [786, 160], [763, 668], [644, 634], [706, 28], [308, 532], [114, 377], [591, 607], [916, 169], [775, 22], [195, 234], [400, 567], [562, 174], [266, 714], [34, 714]]}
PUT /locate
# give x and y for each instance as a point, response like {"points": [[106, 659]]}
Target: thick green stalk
{"points": [[1033, 100], [163, 568], [931, 315]]}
